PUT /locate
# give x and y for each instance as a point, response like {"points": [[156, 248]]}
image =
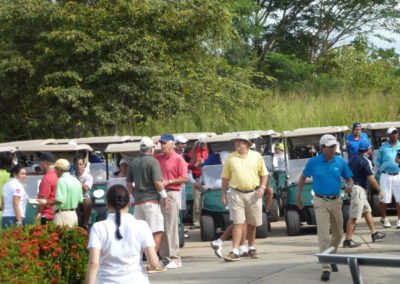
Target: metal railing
{"points": [[354, 262]]}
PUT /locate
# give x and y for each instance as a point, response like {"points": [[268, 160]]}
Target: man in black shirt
{"points": [[361, 167]]}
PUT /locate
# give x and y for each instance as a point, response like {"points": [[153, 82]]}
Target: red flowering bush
{"points": [[43, 254]]}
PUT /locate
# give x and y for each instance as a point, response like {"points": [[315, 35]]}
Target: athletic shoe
{"points": [[152, 270], [398, 224], [377, 236], [253, 253], [385, 223], [217, 248], [325, 275], [350, 244], [243, 251], [334, 267], [232, 257], [173, 264]]}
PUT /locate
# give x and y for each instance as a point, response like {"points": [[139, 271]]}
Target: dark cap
{"points": [[166, 137], [363, 145], [356, 125], [47, 156]]}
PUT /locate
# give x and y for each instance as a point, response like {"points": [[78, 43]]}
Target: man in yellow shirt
{"points": [[245, 173]]}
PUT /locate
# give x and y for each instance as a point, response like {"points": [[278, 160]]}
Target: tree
{"points": [[68, 69]]}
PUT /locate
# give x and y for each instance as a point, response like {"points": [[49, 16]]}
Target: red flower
{"points": [[56, 266], [73, 246], [54, 280]]}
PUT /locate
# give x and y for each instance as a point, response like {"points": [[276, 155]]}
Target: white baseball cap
{"points": [[328, 140], [123, 161], [180, 139], [202, 138], [146, 142], [391, 130]]}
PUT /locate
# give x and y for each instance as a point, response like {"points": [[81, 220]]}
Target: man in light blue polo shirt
{"points": [[354, 138], [390, 178], [326, 171]]}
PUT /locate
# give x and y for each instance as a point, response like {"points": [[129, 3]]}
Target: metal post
{"points": [[355, 270]]}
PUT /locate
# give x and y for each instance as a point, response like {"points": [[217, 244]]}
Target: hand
{"points": [[224, 200], [164, 202], [42, 201], [165, 183], [38, 216], [299, 202], [381, 194], [260, 191], [348, 189]]}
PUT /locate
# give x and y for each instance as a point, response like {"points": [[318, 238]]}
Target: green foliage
{"points": [[70, 69]]}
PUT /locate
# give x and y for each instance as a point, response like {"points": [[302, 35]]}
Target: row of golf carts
{"points": [[300, 145]]}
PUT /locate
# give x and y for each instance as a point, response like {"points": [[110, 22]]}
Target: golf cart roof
{"points": [[106, 139], [8, 149], [191, 136], [23, 143], [228, 137], [55, 148], [383, 125], [257, 132], [314, 131], [125, 148]]}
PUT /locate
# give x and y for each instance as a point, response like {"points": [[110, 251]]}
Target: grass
{"points": [[283, 112]]}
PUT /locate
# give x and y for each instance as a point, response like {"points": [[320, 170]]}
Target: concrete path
{"points": [[282, 259]]}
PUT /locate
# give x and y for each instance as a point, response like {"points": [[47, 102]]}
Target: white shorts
{"points": [[151, 214], [390, 186]]}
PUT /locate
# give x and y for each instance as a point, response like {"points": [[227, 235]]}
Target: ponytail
{"points": [[118, 198]]}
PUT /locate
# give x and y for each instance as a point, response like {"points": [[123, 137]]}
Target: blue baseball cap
{"points": [[166, 137], [356, 125], [364, 145]]}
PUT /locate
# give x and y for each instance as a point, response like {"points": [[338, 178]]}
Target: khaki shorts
{"points": [[66, 218], [246, 207], [359, 203], [151, 214]]}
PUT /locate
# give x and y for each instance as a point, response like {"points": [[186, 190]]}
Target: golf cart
{"points": [[377, 132], [264, 144], [28, 155], [214, 215], [301, 145]]}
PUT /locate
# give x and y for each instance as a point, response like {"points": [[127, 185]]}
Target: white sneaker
{"points": [[398, 224], [217, 247], [385, 223], [243, 251], [173, 264]]}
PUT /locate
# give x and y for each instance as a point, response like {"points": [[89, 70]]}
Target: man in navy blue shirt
{"points": [[361, 167], [326, 171], [354, 138]]}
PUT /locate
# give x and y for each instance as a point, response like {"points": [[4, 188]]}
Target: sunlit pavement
{"points": [[282, 259]]}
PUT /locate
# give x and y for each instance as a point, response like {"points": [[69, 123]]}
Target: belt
{"points": [[63, 210], [391, 174], [244, 191], [328, 197]]}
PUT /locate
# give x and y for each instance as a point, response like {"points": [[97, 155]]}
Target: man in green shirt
{"points": [[68, 195], [5, 164]]}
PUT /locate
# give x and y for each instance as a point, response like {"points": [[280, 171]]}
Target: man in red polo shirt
{"points": [[47, 187], [174, 174]]}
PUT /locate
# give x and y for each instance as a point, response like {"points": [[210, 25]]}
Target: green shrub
{"points": [[43, 254]]}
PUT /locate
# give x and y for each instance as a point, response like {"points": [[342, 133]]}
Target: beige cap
{"points": [[62, 164], [242, 136]]}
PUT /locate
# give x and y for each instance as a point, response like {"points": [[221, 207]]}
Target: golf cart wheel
{"points": [[181, 236], [376, 205], [274, 210], [292, 219], [262, 231], [207, 228], [346, 215]]}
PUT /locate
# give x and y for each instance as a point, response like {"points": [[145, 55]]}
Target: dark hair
{"points": [[118, 198], [16, 169], [5, 161]]}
